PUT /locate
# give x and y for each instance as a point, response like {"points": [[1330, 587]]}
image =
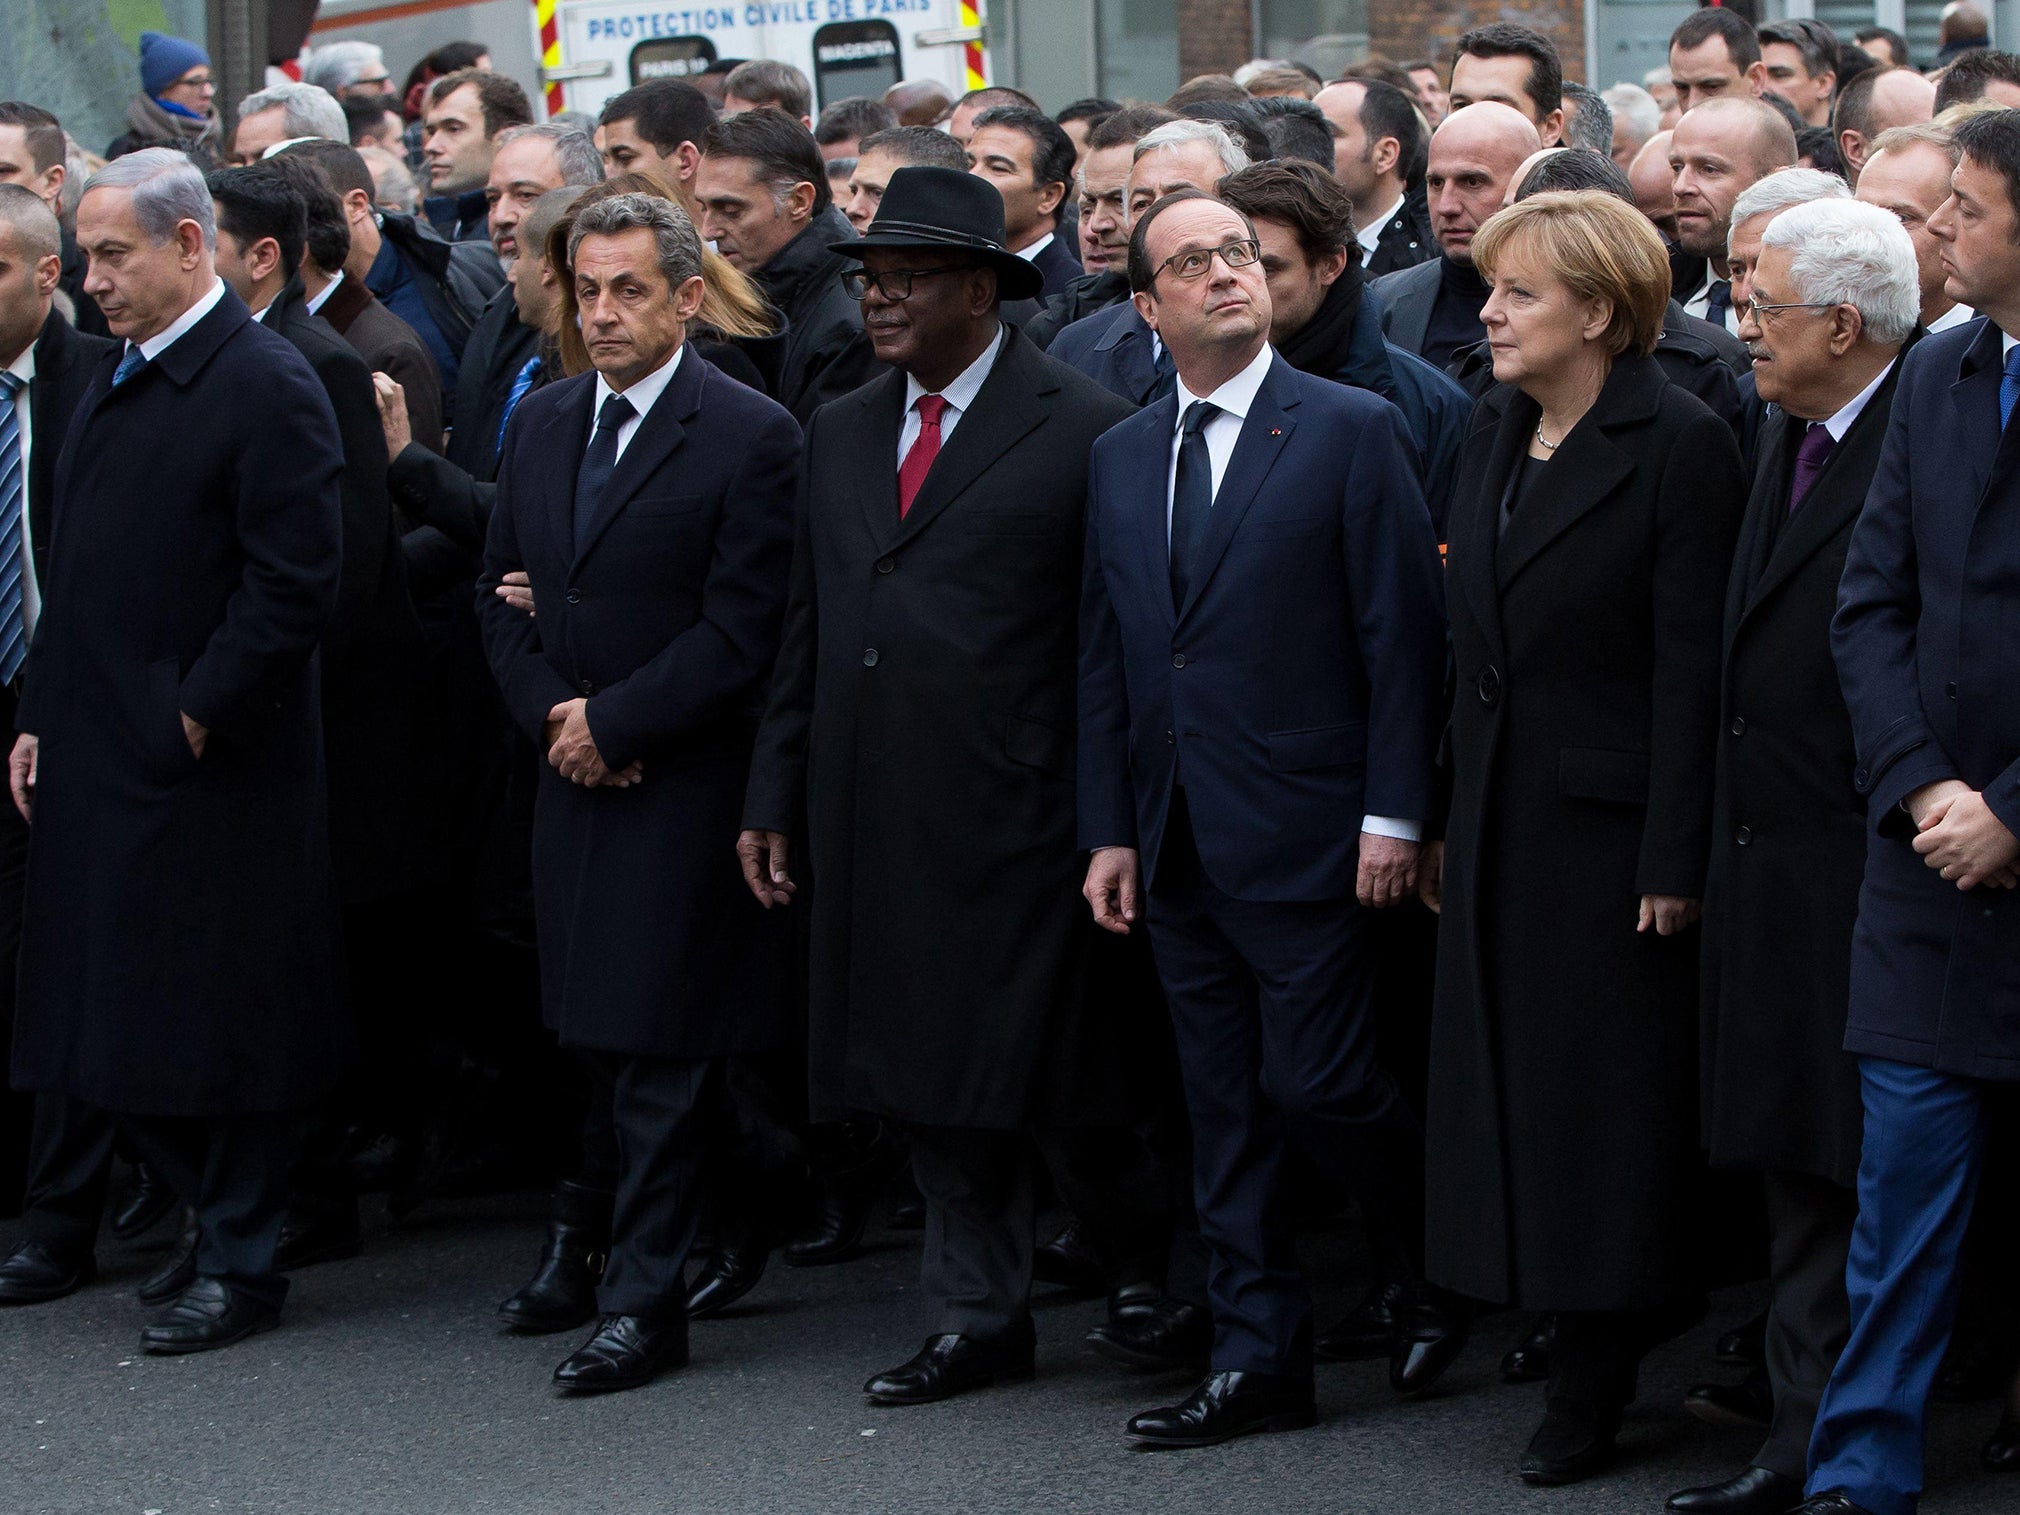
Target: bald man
{"points": [[1654, 185], [1717, 150], [1433, 309], [1894, 97]]}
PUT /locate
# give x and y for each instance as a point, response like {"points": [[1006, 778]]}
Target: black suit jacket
{"points": [[665, 619], [1779, 1091], [1058, 263], [827, 353], [1405, 241], [923, 706], [391, 347], [64, 360]]}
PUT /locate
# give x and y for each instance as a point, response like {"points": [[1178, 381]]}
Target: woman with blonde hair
{"points": [[1590, 538]]}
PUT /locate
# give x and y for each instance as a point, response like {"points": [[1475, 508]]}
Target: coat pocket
{"points": [[1037, 745], [1319, 747], [1601, 773], [165, 735]]}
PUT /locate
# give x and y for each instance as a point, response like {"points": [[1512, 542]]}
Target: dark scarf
{"points": [[1319, 347]]}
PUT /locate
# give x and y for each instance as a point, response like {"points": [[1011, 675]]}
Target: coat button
{"points": [[1168, 739], [870, 657], [1860, 778], [587, 687], [1953, 689], [1489, 684], [885, 565], [574, 596], [1743, 836], [1178, 660], [1738, 726]]}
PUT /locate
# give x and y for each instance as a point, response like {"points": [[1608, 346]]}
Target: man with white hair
{"points": [[179, 969], [283, 113], [1834, 301], [1116, 347], [1636, 117], [349, 70], [1760, 203]]}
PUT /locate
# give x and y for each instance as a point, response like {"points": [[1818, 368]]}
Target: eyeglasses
{"points": [[1194, 263], [895, 285], [1754, 311], [199, 81]]}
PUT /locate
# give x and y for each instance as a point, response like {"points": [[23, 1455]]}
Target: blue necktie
{"points": [[1191, 496], [597, 463], [2009, 387], [1717, 301], [519, 387], [13, 624], [129, 365]]}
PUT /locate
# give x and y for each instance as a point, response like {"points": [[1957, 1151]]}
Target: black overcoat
{"points": [[668, 621], [179, 948], [923, 716], [1788, 835], [1563, 1115]]}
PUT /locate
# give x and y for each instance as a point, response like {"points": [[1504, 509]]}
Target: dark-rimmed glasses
{"points": [[1194, 262], [894, 285]]}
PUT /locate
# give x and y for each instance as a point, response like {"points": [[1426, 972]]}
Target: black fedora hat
{"points": [[945, 208]]}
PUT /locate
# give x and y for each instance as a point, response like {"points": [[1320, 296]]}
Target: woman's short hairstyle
{"points": [[1601, 248]]}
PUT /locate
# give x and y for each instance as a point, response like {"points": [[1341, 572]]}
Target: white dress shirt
{"points": [[1370, 234], [23, 368], [1841, 423], [959, 395], [1700, 302], [1956, 315], [642, 395], [316, 302], [159, 343], [1031, 252], [2007, 342], [1221, 432]]}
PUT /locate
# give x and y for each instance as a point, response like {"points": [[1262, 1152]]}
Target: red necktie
{"points": [[919, 461]]}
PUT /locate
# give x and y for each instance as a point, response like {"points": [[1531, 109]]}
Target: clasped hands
{"points": [[1958, 835], [572, 750]]}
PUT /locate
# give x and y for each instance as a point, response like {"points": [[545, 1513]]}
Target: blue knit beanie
{"points": [[163, 60]]}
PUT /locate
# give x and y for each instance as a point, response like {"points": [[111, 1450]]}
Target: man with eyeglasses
{"points": [[917, 760], [1262, 673]]}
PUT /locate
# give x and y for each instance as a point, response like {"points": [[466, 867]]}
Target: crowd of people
{"points": [[1435, 646]]}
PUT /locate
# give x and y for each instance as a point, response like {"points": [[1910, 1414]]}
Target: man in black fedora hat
{"points": [[917, 759]]}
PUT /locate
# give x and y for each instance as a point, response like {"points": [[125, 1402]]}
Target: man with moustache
{"points": [[1832, 307], [1715, 153], [923, 709]]}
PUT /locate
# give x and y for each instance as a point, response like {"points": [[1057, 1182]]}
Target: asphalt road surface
{"points": [[390, 1390]]}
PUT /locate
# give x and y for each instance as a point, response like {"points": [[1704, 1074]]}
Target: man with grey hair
{"points": [[1636, 117], [1116, 347], [1588, 119], [283, 113], [178, 966], [349, 70], [1908, 173], [1760, 203], [529, 161], [650, 505], [1833, 305]]}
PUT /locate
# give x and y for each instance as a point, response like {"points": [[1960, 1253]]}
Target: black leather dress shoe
{"points": [[950, 1365], [1429, 1338], [1368, 1330], [561, 1294], [207, 1315], [1149, 1329], [2001, 1454], [1528, 1361], [732, 1271], [1227, 1405], [846, 1196], [1751, 1402], [626, 1352], [142, 1205], [1070, 1263], [319, 1231], [1744, 1346], [1572, 1444], [908, 1205], [1836, 1502], [1754, 1492], [34, 1275], [166, 1284]]}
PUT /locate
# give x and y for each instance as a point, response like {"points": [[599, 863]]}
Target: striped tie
{"points": [[520, 385], [129, 365], [13, 628]]}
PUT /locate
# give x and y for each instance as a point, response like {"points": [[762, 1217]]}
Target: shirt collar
{"points": [[1841, 423], [23, 367], [646, 392], [960, 394], [315, 306], [1956, 315], [1029, 254], [2007, 342], [1371, 233], [160, 342], [1237, 394]]}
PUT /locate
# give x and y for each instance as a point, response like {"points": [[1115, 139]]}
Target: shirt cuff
{"points": [[1389, 825]]}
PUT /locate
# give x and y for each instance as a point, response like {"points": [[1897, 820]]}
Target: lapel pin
{"points": [[1276, 431]]}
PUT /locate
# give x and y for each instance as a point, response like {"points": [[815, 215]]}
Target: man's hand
{"points": [[1388, 871], [1963, 839], [393, 421], [196, 734], [762, 855], [572, 750], [21, 773], [1927, 805], [1431, 877], [1114, 877], [1668, 913], [516, 590]]}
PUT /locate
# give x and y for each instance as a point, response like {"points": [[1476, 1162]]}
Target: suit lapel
{"points": [[1264, 434], [1009, 406], [1475, 537], [564, 439], [879, 423], [1976, 396], [658, 435], [1146, 509], [1766, 504]]}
